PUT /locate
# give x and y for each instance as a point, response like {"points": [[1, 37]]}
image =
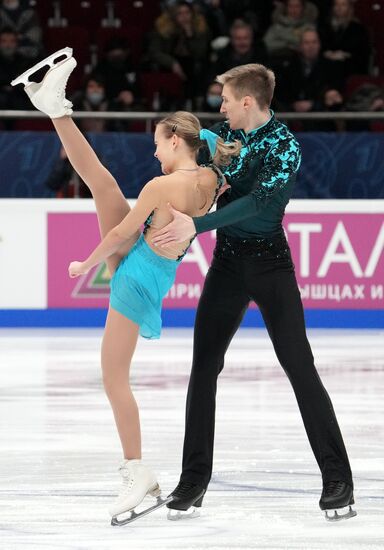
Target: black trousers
{"points": [[231, 283]]}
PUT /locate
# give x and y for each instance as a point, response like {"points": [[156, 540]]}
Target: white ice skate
{"points": [[138, 481], [48, 95]]}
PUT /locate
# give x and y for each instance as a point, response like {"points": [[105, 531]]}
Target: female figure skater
{"points": [[140, 275]]}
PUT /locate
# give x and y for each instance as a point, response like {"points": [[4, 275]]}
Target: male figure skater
{"points": [[252, 261]]}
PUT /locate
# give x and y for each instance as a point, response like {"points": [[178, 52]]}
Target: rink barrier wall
{"points": [[56, 318], [337, 247], [334, 165]]}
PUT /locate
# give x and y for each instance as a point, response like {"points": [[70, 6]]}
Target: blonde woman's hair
{"points": [[251, 79], [187, 126]]}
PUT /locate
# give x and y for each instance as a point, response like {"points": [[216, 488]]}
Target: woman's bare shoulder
{"points": [[209, 175]]}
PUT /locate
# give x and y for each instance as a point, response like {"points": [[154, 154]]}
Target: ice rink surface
{"points": [[59, 450]]}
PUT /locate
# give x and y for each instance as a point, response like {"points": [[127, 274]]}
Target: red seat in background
{"points": [[138, 13], [166, 84]]}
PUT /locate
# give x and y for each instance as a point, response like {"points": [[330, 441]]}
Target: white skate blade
{"points": [[50, 61], [338, 514], [133, 516], [178, 515]]}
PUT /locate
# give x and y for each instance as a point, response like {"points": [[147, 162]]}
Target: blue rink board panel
{"points": [[315, 318]]}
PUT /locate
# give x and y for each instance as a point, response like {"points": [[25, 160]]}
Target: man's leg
{"points": [[276, 293], [219, 314]]}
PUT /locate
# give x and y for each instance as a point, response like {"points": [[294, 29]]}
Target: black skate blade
{"points": [[338, 515], [134, 515]]}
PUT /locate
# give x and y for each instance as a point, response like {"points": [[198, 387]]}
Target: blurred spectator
{"points": [[241, 50], [310, 12], [180, 43], [303, 84], [345, 42], [367, 97], [12, 64], [64, 180], [258, 14], [93, 99], [282, 39], [18, 16], [212, 102], [214, 15], [116, 69]]}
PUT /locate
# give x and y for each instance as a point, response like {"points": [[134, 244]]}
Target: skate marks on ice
{"points": [[59, 451]]}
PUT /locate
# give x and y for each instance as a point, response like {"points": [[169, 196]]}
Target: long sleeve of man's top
{"points": [[280, 166]]}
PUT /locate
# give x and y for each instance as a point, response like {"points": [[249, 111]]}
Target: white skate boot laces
{"points": [[128, 481]]}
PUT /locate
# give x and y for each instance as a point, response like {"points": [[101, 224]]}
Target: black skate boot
{"points": [[184, 496], [336, 500]]}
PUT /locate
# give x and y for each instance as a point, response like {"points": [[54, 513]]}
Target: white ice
{"points": [[60, 451]]}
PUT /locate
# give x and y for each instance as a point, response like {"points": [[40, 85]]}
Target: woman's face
{"points": [[184, 15], [165, 150], [295, 9]]}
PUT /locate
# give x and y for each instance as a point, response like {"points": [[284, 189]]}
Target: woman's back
{"points": [[192, 192]]}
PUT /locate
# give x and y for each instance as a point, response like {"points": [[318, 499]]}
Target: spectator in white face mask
{"points": [[212, 102], [23, 20], [93, 99]]}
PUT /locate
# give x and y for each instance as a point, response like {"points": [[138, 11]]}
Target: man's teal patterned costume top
{"points": [[261, 178]]}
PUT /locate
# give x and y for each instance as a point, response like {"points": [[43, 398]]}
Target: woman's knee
{"points": [[114, 379]]}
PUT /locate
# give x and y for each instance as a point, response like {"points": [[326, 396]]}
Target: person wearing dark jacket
{"points": [[12, 63], [242, 49], [345, 42], [303, 81], [180, 44]]}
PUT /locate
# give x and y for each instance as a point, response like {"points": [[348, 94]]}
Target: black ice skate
{"points": [[185, 496], [336, 500]]}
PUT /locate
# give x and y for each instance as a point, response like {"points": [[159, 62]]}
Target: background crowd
{"points": [[144, 55]]}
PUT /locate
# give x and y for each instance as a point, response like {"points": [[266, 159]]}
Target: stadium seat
{"points": [[138, 13], [168, 85]]}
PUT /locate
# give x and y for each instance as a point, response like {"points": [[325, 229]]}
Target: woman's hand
{"points": [[76, 269]]}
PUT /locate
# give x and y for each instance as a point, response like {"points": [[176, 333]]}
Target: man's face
{"points": [[8, 44], [232, 108], [241, 40], [310, 45], [8, 40], [341, 8]]}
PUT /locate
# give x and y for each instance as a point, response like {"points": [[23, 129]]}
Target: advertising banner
{"points": [[338, 258]]}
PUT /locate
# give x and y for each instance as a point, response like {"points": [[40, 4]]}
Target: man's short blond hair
{"points": [[253, 79]]}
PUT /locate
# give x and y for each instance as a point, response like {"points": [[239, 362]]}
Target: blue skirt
{"points": [[139, 285]]}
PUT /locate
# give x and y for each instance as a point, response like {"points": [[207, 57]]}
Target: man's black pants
{"points": [[231, 283]]}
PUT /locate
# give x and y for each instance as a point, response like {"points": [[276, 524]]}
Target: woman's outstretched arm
{"points": [[147, 201]]}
